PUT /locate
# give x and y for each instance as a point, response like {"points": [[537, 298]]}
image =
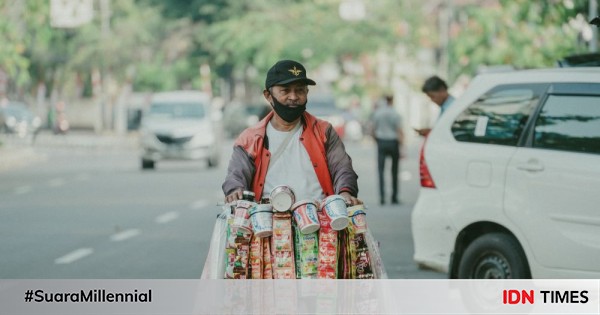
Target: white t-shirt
{"points": [[293, 168]]}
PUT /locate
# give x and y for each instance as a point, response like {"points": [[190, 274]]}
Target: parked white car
{"points": [[179, 125], [510, 179]]}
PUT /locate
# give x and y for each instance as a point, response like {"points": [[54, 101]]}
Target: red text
{"points": [[516, 296]]}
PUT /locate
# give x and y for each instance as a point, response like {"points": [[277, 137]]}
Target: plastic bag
{"points": [[376, 261], [214, 266]]}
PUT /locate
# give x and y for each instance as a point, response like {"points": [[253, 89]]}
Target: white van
{"points": [[510, 179]]}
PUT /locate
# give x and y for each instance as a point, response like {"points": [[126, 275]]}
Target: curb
{"points": [[12, 157], [85, 141], [16, 153]]}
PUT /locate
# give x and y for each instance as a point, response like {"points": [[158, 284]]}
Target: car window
{"points": [[498, 116], [17, 110], [177, 110], [569, 122]]}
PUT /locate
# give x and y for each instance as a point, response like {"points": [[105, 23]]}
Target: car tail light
{"points": [[426, 179]]}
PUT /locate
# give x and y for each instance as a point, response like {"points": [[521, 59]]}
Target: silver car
{"points": [[178, 125], [17, 119]]}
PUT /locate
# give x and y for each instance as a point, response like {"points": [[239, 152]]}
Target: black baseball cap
{"points": [[285, 72]]}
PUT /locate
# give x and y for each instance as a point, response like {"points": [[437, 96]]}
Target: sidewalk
{"points": [[86, 140], [17, 152], [17, 157]]}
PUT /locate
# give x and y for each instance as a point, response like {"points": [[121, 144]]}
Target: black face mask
{"points": [[288, 113]]}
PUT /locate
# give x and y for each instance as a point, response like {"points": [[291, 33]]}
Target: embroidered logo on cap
{"points": [[295, 71]]}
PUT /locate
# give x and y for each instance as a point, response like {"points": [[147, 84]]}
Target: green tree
{"points": [[14, 59], [520, 33], [241, 37]]}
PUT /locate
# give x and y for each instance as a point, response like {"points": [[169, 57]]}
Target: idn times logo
{"points": [[547, 296]]}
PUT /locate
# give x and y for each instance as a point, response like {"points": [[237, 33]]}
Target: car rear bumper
{"points": [[174, 152], [433, 233]]}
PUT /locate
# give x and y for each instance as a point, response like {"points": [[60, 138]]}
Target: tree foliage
{"points": [[524, 34], [158, 45]]}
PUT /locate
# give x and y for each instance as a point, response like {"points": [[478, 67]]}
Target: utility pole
{"points": [[593, 12], [105, 110], [66, 15], [445, 21]]}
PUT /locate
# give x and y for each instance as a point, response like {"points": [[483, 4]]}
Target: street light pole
{"points": [[105, 112], [445, 21], [593, 12]]}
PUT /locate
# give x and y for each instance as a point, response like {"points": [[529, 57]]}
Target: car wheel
{"points": [[494, 256], [147, 164]]}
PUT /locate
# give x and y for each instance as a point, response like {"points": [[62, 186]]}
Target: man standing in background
{"points": [[387, 130], [437, 90]]}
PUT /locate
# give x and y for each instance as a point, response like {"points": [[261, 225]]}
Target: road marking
{"points": [[73, 256], [167, 217], [406, 175], [199, 204], [127, 234], [56, 182], [22, 190]]}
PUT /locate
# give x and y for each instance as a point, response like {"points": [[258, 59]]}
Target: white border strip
{"points": [[184, 297]]}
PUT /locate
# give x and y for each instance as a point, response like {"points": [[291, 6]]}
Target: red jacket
{"points": [[250, 159]]}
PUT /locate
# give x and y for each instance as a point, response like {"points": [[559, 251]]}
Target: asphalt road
{"points": [[82, 208]]}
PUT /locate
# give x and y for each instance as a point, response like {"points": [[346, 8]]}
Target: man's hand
{"points": [[351, 200], [234, 196]]}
